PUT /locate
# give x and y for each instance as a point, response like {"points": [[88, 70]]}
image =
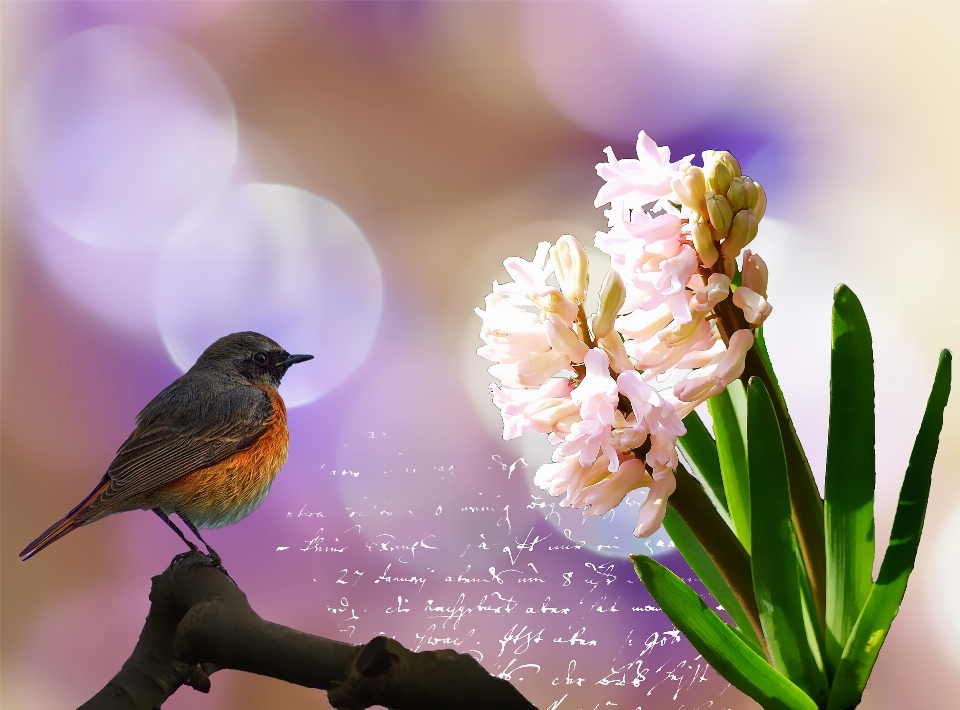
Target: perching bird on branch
{"points": [[206, 448]]}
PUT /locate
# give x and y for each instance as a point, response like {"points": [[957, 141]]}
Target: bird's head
{"points": [[256, 357]]}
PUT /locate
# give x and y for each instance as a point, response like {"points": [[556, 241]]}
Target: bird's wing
{"points": [[183, 430]]}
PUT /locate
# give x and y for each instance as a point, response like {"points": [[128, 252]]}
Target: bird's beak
{"points": [[294, 359]]}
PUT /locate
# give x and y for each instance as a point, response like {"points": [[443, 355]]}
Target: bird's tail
{"points": [[71, 521]]}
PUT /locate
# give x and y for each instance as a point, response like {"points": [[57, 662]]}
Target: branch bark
{"points": [[201, 622]]}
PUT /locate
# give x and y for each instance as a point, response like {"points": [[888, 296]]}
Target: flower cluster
{"points": [[675, 233]]}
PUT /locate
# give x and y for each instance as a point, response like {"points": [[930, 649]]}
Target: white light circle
{"points": [[120, 133], [280, 261]]}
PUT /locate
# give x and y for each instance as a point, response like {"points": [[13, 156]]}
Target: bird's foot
{"points": [[194, 550]]}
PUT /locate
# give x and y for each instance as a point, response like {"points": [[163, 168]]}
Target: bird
{"points": [[207, 448]]}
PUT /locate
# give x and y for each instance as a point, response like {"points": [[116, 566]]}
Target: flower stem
{"points": [[719, 542], [806, 503]]}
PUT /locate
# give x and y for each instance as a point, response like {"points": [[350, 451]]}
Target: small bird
{"points": [[206, 448]]}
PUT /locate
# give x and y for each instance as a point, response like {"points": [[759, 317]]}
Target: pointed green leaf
{"points": [[732, 451], [700, 451], [717, 643], [778, 576], [707, 571], [851, 472], [760, 343], [885, 596], [804, 495]]}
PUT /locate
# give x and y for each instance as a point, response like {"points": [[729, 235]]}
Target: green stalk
{"points": [[719, 542], [805, 501]]}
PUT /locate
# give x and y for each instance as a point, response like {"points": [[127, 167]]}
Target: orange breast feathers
{"points": [[229, 491]]}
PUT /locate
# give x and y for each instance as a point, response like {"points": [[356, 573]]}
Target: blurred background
{"points": [[348, 178]]}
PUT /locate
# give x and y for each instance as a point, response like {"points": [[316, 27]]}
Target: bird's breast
{"points": [[230, 490]]}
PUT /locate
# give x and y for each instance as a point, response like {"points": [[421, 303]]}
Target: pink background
{"points": [[452, 135]]}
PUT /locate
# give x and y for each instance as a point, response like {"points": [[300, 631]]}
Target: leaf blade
{"points": [[781, 585], [700, 451], [708, 573], [850, 472], [732, 453], [886, 594], [718, 644]]}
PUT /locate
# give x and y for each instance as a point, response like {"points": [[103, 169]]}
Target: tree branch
{"points": [[201, 622]]}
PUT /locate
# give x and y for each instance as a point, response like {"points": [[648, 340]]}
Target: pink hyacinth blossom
{"points": [[700, 358], [626, 438], [677, 333], [755, 307], [655, 357], [674, 275], [597, 393], [663, 451], [707, 296], [568, 476], [562, 338], [510, 333], [654, 507], [725, 367], [755, 273], [643, 325], [553, 415], [680, 408], [532, 371], [528, 276], [647, 178], [516, 405], [612, 345], [551, 300], [587, 440], [652, 412], [607, 493]]}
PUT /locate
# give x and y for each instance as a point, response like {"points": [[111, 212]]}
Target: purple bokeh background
{"points": [[447, 136]]}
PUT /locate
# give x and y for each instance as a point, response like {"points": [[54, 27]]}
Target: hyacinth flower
{"points": [[683, 303]]}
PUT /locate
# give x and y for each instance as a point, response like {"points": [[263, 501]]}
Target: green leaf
{"points": [[780, 584], [804, 495], [700, 451], [717, 643], [732, 451], [851, 473], [887, 592], [707, 571], [760, 344]]}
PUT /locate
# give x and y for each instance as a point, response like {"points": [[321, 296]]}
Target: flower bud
{"points": [[729, 162], [703, 242], [612, 296], [755, 307], [691, 188], [737, 194], [743, 229], [612, 345], [552, 301], [720, 213], [755, 273], [678, 333], [570, 264], [534, 371], [750, 193], [761, 206], [562, 338], [717, 173]]}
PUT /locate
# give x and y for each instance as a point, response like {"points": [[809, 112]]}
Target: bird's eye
{"points": [[260, 359]]}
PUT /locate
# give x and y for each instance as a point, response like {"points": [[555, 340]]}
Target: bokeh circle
{"points": [[120, 133], [280, 261]]}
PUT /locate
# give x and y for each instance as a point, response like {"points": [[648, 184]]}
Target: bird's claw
{"points": [[184, 555]]}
